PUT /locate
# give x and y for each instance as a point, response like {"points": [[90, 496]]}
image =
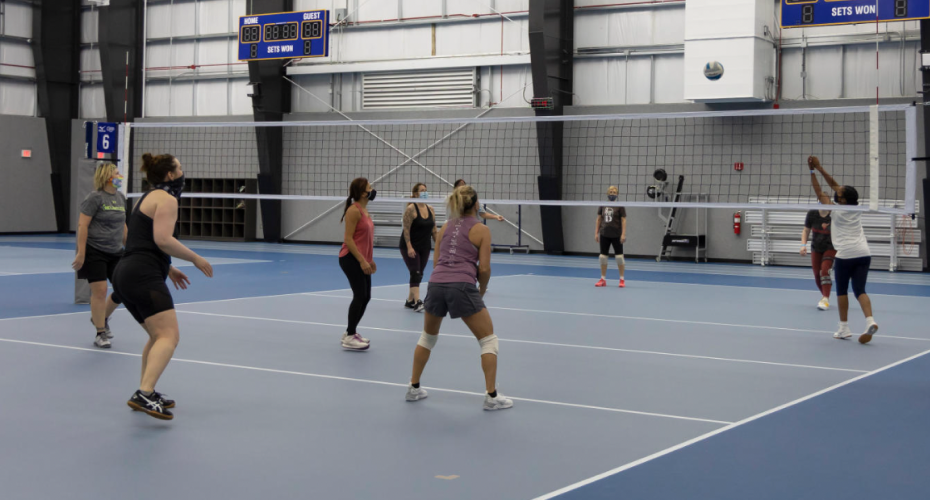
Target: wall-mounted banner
{"points": [[106, 138]]}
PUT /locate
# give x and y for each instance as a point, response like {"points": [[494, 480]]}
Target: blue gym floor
{"points": [[697, 381]]}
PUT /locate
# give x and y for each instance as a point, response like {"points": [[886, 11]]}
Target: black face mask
{"points": [[836, 199], [174, 188], [372, 194]]}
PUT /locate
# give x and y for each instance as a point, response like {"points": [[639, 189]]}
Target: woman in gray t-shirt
{"points": [[101, 235]]}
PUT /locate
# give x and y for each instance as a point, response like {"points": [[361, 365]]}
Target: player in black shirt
{"points": [[610, 230], [822, 252]]}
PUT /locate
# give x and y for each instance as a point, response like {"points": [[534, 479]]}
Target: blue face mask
{"points": [[612, 197], [424, 195]]}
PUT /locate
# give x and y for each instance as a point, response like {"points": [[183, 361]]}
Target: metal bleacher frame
{"points": [[775, 236]]}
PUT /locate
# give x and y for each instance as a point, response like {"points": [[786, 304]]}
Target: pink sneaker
{"points": [[601, 283], [622, 283]]}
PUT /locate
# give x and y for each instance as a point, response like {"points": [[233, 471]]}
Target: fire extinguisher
{"points": [[737, 223]]}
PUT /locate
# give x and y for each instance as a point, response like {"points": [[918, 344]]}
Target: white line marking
{"points": [[676, 283], [234, 299], [376, 382], [721, 430], [637, 318], [533, 342]]}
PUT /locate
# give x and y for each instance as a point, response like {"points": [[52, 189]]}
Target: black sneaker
{"points": [[419, 307], [150, 405], [410, 304], [165, 403]]}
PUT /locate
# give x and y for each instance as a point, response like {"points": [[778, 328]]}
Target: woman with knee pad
{"points": [[419, 228], [853, 256], [139, 278], [463, 256], [818, 223], [101, 235], [610, 231]]}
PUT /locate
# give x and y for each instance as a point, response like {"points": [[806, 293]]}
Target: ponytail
{"points": [[157, 168], [461, 201], [356, 189]]}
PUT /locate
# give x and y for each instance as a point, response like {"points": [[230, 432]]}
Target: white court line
{"points": [[638, 318], [552, 344], [233, 299], [676, 283], [376, 382], [721, 430]]}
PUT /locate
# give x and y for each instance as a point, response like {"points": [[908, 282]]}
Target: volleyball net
{"points": [[724, 159]]}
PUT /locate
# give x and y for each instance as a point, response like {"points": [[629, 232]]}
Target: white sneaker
{"points": [[102, 341], [354, 342], [499, 403], [843, 332], [866, 337], [824, 304], [415, 394]]}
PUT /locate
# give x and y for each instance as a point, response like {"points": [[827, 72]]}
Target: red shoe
{"points": [[601, 283], [622, 283]]}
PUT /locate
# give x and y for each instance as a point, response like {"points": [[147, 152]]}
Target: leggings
{"points": [[416, 265], [822, 262], [855, 270], [361, 290]]}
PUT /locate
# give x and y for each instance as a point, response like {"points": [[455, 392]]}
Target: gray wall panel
{"points": [[26, 190]]}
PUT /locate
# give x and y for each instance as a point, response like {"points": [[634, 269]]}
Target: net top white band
{"points": [[534, 119]]}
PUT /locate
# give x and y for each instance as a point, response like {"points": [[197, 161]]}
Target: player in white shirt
{"points": [[853, 257]]}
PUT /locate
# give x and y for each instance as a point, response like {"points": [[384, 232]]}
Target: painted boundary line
{"points": [[636, 318], [532, 342], [214, 301], [713, 433], [375, 382]]}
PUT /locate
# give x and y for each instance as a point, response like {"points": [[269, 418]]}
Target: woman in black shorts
{"points": [[139, 279], [463, 257], [415, 244], [101, 235]]}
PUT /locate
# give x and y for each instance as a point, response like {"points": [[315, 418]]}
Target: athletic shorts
{"points": [[606, 243], [854, 270], [458, 300], [98, 265], [140, 284]]}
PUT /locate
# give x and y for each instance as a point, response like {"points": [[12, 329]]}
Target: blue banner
{"points": [[803, 13], [290, 35], [106, 138]]}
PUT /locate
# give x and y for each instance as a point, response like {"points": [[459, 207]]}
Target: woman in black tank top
{"points": [[139, 278], [419, 229]]}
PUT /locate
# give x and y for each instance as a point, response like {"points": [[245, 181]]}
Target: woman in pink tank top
{"points": [[356, 258], [463, 256]]}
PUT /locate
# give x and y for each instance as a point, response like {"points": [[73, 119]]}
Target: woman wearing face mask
{"points": [[101, 235], [419, 227], [853, 256], [139, 279], [357, 258], [610, 230]]}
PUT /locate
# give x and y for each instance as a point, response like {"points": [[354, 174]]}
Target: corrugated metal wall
{"points": [[627, 52]]}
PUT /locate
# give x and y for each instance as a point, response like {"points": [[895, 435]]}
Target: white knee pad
{"points": [[620, 260], [488, 345], [428, 341], [603, 260]]}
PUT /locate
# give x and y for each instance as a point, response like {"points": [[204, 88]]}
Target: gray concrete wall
{"points": [[26, 191]]}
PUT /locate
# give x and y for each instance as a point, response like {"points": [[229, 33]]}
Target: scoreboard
{"points": [[286, 35], [805, 13]]}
